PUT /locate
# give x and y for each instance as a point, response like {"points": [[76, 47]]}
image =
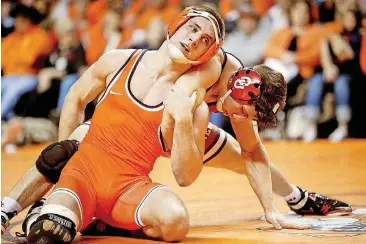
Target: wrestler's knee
{"points": [[54, 158], [175, 225]]}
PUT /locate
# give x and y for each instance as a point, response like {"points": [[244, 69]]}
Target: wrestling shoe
{"points": [[52, 229], [316, 204], [4, 222], [33, 213]]}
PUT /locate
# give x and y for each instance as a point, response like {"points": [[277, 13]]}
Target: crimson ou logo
{"points": [[243, 82]]}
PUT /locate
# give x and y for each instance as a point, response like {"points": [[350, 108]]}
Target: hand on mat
{"points": [[178, 104], [280, 222]]}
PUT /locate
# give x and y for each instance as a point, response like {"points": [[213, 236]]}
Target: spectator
{"points": [[68, 62], [27, 130], [7, 21], [248, 41], [278, 14], [297, 45], [105, 36], [363, 54], [20, 51], [155, 34], [339, 65]]}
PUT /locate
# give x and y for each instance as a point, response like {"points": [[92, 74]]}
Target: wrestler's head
{"points": [[195, 35], [256, 93]]}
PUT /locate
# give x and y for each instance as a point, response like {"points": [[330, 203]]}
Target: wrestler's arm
{"points": [[197, 78], [252, 150], [255, 160], [188, 146], [186, 137], [86, 89]]}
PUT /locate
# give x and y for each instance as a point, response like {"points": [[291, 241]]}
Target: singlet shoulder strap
{"points": [[117, 74]]}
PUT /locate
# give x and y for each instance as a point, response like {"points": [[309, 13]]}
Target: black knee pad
{"points": [[51, 228], [54, 158]]}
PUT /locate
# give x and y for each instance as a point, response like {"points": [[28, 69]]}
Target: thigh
{"points": [[75, 181], [126, 212], [6, 80], [215, 140], [26, 83], [342, 83], [229, 156]]}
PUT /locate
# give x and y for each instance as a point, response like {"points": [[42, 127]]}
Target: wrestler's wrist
{"points": [[269, 206], [184, 117]]}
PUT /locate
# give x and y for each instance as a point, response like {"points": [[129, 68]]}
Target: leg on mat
{"points": [[66, 210], [164, 216], [58, 222]]}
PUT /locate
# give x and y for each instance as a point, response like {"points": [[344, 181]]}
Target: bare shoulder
{"points": [[200, 76], [110, 61], [232, 65]]}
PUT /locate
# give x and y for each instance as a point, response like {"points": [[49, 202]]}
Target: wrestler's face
{"points": [[233, 106], [194, 38]]}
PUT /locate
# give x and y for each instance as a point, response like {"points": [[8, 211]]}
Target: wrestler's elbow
{"points": [[185, 181], [185, 178], [249, 148]]}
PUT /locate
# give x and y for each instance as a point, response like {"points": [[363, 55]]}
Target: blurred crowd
{"points": [[318, 45]]}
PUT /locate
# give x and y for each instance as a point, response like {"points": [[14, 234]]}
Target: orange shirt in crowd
{"points": [[260, 6], [137, 6], [363, 54], [166, 14], [308, 45], [19, 51], [97, 42], [94, 11]]}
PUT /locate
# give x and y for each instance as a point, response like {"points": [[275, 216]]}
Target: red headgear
{"points": [[243, 85], [187, 14]]}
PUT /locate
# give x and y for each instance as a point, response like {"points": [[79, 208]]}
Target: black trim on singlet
{"points": [[162, 140], [225, 60], [242, 65], [218, 151], [118, 72], [222, 66], [129, 83], [88, 122], [213, 143]]}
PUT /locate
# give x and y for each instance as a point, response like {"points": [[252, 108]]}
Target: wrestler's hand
{"points": [[280, 222], [178, 104]]}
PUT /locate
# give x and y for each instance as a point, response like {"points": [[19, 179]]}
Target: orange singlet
{"points": [[108, 176]]}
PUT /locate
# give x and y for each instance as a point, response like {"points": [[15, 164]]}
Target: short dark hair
{"points": [[273, 92], [215, 14]]}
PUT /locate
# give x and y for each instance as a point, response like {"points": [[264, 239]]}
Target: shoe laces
{"points": [[323, 199]]}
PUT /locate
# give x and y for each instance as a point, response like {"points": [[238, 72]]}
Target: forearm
{"points": [[72, 116], [325, 57], [30, 188], [186, 158], [259, 176]]}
